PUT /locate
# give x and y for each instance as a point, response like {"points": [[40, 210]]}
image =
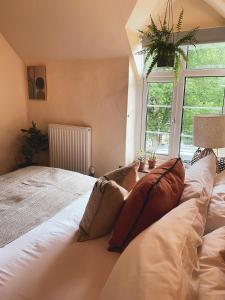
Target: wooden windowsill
{"points": [[146, 169]]}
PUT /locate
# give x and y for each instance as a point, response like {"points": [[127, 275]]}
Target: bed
{"points": [[179, 257], [46, 262]]}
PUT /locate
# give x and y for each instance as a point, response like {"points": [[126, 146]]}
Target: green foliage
{"points": [[203, 95], [34, 141], [141, 155], [161, 46], [151, 155]]}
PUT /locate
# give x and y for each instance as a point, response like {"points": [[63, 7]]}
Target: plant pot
{"points": [[141, 166], [151, 163], [166, 60]]}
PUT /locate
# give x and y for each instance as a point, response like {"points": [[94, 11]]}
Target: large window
{"points": [[168, 107]]}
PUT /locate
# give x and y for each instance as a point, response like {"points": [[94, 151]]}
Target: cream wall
{"points": [[133, 120], [13, 105], [89, 93]]}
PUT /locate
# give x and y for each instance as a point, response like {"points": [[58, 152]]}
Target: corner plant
{"points": [[160, 43], [34, 141]]}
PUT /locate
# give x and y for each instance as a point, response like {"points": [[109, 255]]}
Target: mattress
{"points": [[47, 263]]}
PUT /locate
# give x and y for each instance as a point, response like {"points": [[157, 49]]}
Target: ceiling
{"points": [[41, 30], [202, 13]]}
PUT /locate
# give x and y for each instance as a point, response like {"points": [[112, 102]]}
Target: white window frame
{"points": [[177, 103]]}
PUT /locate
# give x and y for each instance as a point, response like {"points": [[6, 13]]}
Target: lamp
{"points": [[209, 132]]}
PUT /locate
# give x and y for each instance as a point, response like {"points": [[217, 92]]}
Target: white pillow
{"points": [[161, 262], [216, 213], [219, 186], [212, 266], [199, 178]]}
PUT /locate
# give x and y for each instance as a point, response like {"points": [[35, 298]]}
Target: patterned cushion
{"points": [[220, 164], [196, 156]]}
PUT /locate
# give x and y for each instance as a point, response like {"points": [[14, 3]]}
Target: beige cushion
{"points": [[216, 213], [127, 176], [199, 178], [212, 266], [102, 209], [162, 261]]}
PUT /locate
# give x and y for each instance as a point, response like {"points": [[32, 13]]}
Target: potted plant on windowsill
{"points": [[160, 45], [151, 160], [141, 157]]}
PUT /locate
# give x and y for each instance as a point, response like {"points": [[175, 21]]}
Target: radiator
{"points": [[70, 147]]}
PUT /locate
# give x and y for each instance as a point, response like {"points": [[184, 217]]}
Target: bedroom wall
{"points": [[89, 93], [13, 105]]}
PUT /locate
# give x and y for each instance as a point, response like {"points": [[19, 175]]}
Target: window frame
{"points": [[177, 103]]}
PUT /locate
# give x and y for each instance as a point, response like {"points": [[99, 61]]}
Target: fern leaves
{"points": [[180, 21], [160, 42]]}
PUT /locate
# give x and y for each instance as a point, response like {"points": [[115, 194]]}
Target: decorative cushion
{"points": [[220, 161], [102, 209], [199, 178], [196, 156], [216, 212], [152, 197], [220, 165], [162, 262], [126, 176], [212, 266]]}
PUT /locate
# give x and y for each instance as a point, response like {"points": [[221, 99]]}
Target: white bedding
{"points": [[48, 264], [32, 195]]}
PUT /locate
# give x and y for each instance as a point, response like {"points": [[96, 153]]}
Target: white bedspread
{"points": [[48, 264], [32, 195]]}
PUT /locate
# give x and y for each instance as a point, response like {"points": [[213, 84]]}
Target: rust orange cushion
{"points": [[153, 196]]}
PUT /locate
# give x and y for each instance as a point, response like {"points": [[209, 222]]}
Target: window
{"points": [[158, 117], [168, 108]]}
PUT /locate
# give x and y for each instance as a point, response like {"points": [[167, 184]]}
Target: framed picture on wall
{"points": [[36, 78]]}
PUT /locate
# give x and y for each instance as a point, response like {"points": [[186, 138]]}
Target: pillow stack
{"points": [[152, 197], [149, 199], [171, 259], [162, 262], [202, 180]]}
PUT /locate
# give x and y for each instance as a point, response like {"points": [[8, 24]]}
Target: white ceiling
{"points": [[66, 29], [41, 30]]}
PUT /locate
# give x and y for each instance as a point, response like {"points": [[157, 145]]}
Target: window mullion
{"points": [[144, 113], [177, 109]]}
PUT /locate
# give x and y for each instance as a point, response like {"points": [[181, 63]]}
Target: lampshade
{"points": [[209, 131]]}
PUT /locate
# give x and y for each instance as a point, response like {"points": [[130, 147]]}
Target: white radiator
{"points": [[70, 147]]}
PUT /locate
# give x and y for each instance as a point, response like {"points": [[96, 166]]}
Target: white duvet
{"points": [[48, 264]]}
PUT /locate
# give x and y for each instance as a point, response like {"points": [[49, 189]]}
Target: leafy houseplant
{"points": [[151, 160], [160, 44], [141, 157], [34, 141]]}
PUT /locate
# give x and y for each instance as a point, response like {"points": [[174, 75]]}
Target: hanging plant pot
{"points": [[162, 44], [166, 60]]}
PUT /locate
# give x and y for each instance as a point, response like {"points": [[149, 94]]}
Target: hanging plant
{"points": [[160, 44]]}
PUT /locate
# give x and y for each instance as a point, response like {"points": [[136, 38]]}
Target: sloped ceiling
{"points": [[66, 29], [202, 13], [41, 30]]}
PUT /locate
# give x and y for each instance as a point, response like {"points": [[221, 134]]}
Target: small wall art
{"points": [[36, 77]]}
